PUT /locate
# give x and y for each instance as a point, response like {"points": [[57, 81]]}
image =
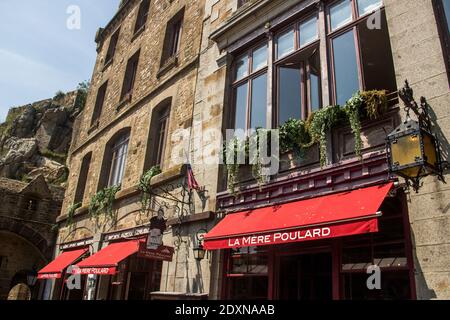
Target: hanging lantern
{"points": [[199, 250], [412, 149]]}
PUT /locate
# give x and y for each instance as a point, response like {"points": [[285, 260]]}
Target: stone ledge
{"points": [[178, 296], [192, 218], [138, 32], [107, 64], [168, 175], [169, 64]]}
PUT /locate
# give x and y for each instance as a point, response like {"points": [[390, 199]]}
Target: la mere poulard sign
{"points": [[332, 231]]}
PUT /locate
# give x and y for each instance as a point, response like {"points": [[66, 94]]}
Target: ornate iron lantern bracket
{"points": [[413, 149]]}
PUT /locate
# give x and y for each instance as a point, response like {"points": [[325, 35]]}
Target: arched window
{"points": [[159, 128], [114, 160]]}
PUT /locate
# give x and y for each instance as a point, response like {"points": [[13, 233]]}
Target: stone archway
{"points": [[32, 236], [19, 258]]}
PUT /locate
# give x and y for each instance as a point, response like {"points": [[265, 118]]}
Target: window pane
{"points": [[308, 31], [114, 173], [259, 102], [290, 99], [446, 4], [249, 288], [345, 67], [314, 76], [259, 58], [376, 56], [242, 68], [241, 106], [122, 161], [366, 6], [285, 44], [340, 14]]}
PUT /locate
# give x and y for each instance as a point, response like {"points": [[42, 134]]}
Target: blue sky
{"points": [[39, 55]]}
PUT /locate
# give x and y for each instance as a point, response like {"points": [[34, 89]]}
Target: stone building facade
{"points": [[27, 217], [413, 46], [166, 36], [167, 69]]}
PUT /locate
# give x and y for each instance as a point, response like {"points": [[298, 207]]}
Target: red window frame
{"points": [[248, 79], [333, 34], [306, 104]]}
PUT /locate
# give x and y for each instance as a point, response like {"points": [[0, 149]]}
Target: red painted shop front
{"points": [[318, 249]]}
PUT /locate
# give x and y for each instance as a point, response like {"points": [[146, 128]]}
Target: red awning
{"points": [[106, 260], [55, 268], [342, 214]]}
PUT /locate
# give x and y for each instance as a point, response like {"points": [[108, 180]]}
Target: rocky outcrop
{"points": [[35, 138]]}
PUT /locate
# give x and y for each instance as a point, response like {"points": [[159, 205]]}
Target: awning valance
{"points": [[336, 215], [55, 268], [106, 260]]}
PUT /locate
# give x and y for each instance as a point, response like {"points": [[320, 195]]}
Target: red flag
{"points": [[192, 183]]}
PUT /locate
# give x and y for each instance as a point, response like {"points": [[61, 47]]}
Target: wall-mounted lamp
{"points": [[412, 149], [199, 250]]}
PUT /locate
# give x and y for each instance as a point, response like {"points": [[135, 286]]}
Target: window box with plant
{"points": [[297, 136], [358, 61]]}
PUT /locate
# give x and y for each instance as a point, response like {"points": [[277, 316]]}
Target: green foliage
{"points": [[145, 187], [59, 95], [63, 178], [255, 158], [375, 102], [71, 212], [294, 136], [102, 203], [83, 88], [13, 114], [352, 109], [58, 157], [232, 149], [24, 178], [319, 123], [297, 136]]}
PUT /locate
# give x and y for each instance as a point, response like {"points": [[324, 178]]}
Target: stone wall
{"points": [[150, 89], [17, 255], [197, 100], [198, 88], [27, 235], [418, 57]]}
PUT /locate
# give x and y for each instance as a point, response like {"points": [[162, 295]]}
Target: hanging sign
{"points": [[157, 228], [162, 253]]}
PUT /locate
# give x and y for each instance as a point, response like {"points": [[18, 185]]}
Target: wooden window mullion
{"points": [[249, 103], [325, 59], [270, 83], [359, 61], [308, 89]]}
